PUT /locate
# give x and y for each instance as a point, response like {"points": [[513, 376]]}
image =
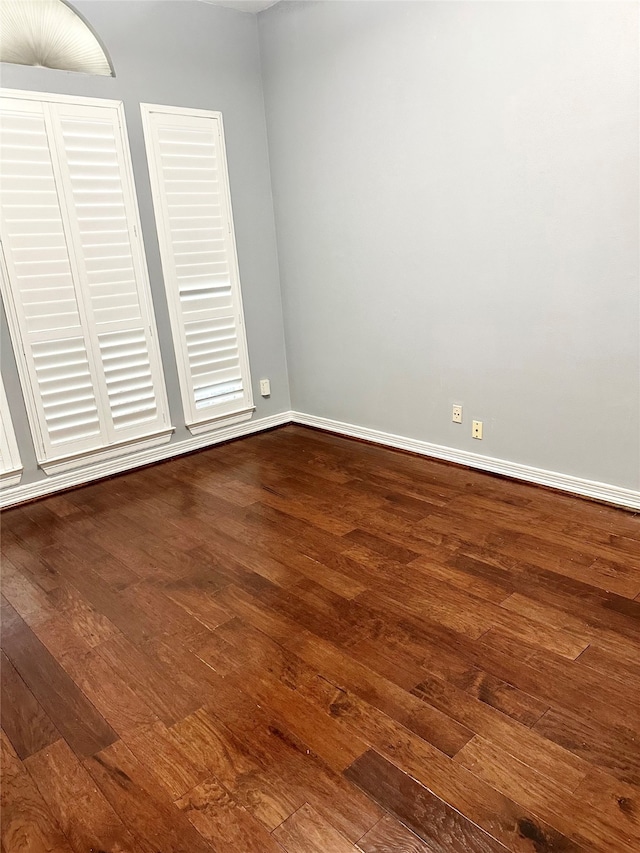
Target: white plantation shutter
{"points": [[187, 165], [41, 288], [10, 465], [94, 163], [75, 279]]}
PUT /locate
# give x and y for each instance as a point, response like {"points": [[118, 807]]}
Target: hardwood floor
{"points": [[297, 642]]}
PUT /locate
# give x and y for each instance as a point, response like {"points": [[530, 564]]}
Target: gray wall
{"points": [[194, 55], [456, 198]]}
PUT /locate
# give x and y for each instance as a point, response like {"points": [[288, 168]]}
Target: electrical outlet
{"points": [[456, 415], [476, 429], [265, 387]]}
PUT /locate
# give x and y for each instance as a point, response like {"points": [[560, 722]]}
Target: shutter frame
{"points": [[215, 415], [147, 431], [10, 463], [25, 341], [145, 326]]}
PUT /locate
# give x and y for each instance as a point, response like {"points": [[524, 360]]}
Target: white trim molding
{"points": [[10, 463], [55, 98], [110, 467], [221, 421], [617, 495], [10, 478], [126, 448]]}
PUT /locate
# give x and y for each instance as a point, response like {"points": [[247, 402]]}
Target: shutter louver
{"points": [[190, 192], [98, 201], [76, 279], [130, 385], [212, 347], [66, 390]]}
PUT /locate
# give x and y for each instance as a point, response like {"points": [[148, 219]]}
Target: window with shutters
{"points": [[190, 187], [10, 464], [74, 280]]}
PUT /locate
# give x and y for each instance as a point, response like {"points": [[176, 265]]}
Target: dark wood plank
{"points": [[391, 836], [251, 647], [70, 711], [483, 805], [28, 561], [386, 549], [25, 597], [213, 748], [326, 738], [619, 801], [444, 829], [555, 680], [609, 747], [162, 753], [85, 621], [222, 821], [143, 806], [85, 816], [566, 769], [585, 824], [27, 824], [27, 726], [148, 679], [551, 613], [119, 606], [307, 832], [114, 699], [613, 666], [288, 770], [429, 723], [213, 650], [505, 697]]}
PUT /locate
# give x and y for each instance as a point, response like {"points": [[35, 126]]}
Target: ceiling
{"points": [[253, 6]]}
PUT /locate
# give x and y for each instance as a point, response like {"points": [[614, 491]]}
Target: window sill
{"points": [[68, 463], [10, 478], [221, 421]]}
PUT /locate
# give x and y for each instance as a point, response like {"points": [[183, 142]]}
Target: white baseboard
{"points": [[617, 495], [58, 482]]}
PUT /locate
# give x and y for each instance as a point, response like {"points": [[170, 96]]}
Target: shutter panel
{"points": [[103, 219], [42, 295], [75, 279], [189, 181], [10, 465]]}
